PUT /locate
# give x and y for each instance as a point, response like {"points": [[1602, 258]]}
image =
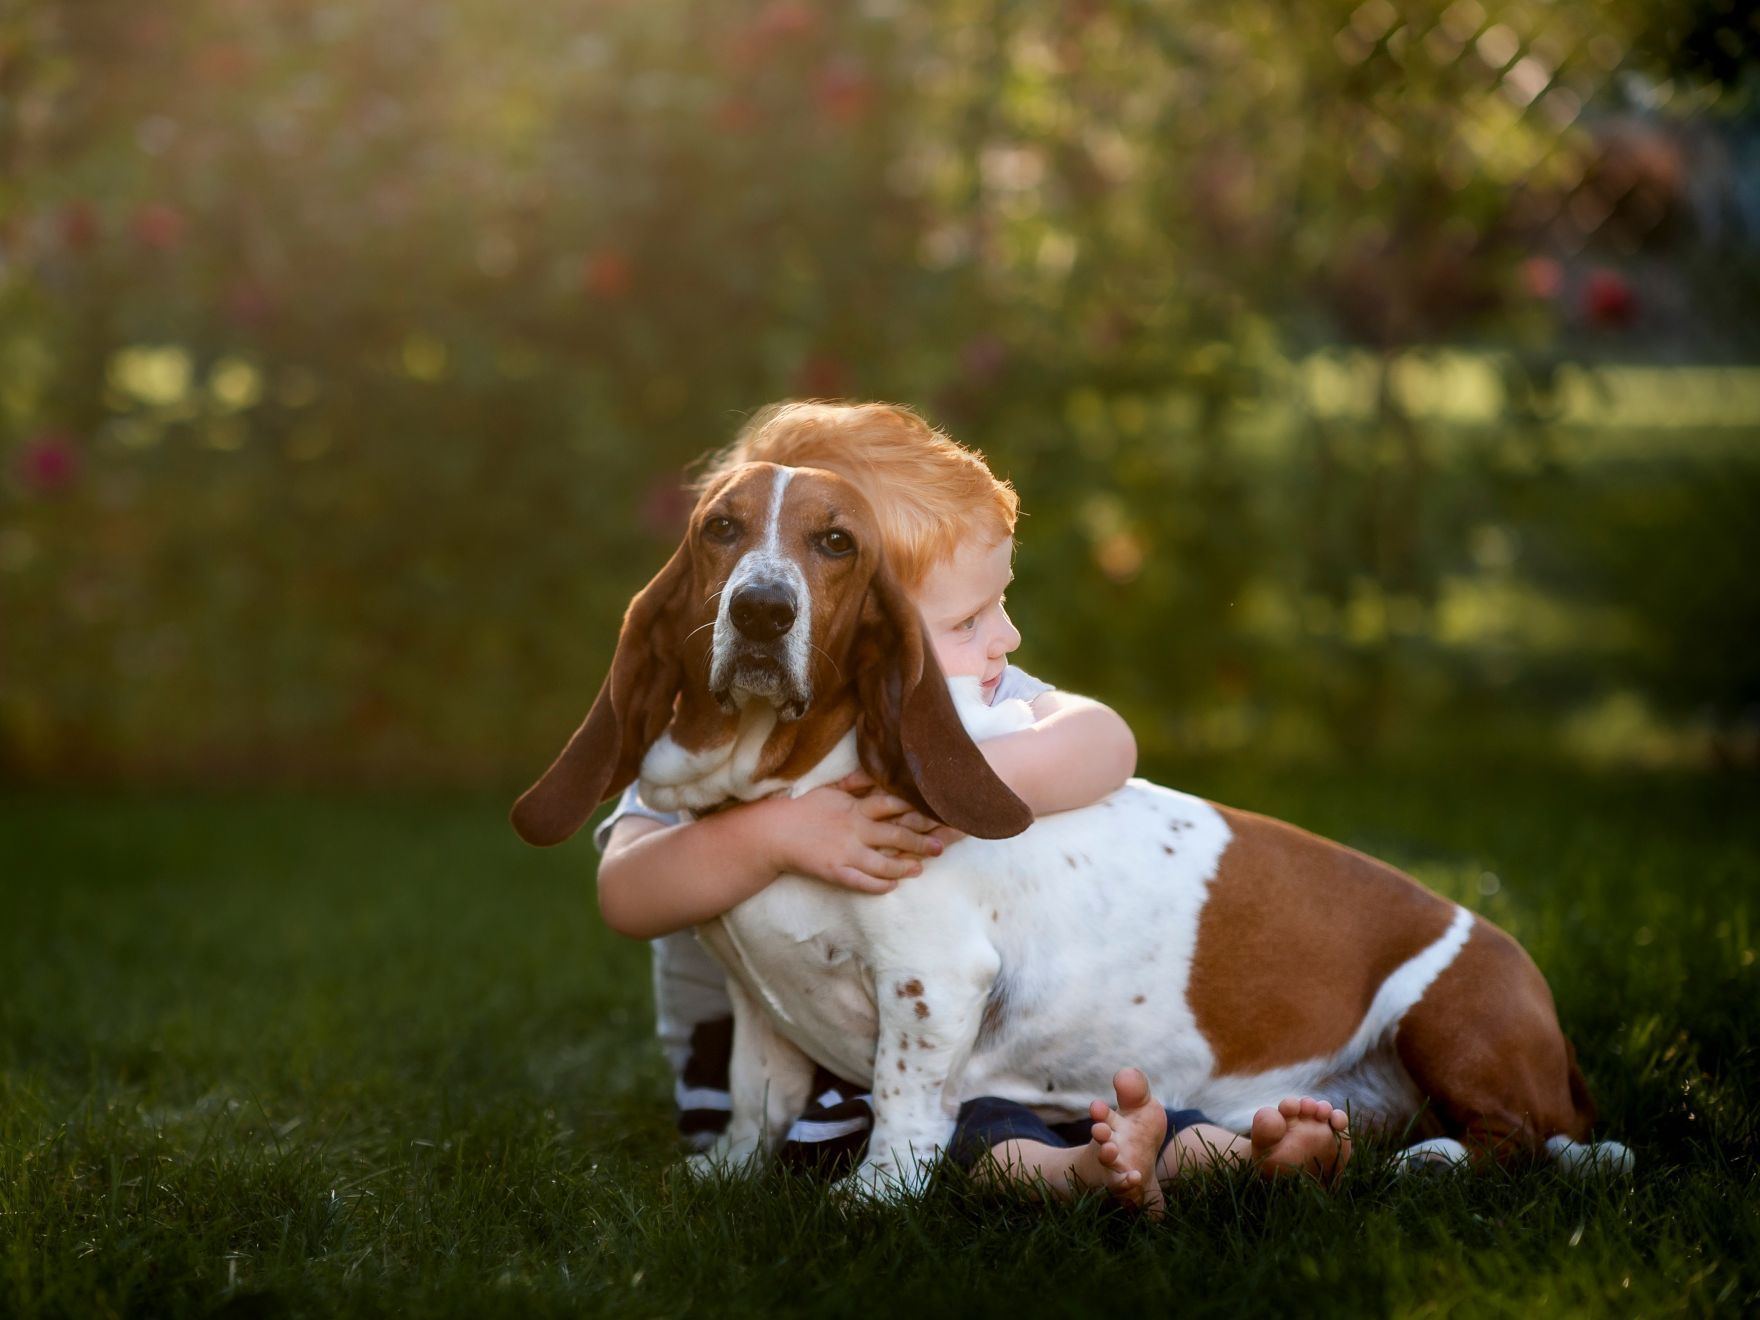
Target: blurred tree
{"points": [[350, 355]]}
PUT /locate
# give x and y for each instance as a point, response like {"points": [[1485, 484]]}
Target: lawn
{"points": [[277, 1055]]}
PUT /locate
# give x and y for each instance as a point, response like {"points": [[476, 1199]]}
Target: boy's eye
{"points": [[837, 543], [966, 625], [720, 528]]}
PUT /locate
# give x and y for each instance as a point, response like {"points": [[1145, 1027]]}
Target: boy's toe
{"points": [[1269, 1126], [1132, 1088]]}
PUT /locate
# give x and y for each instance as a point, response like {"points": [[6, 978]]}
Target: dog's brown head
{"points": [[779, 595]]}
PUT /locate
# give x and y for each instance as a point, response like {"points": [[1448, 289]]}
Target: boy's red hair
{"points": [[928, 492]]}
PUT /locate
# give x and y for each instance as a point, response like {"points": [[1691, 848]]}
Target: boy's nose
{"points": [[1006, 640]]}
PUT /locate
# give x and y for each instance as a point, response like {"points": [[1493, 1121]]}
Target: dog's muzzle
{"points": [[756, 653]]}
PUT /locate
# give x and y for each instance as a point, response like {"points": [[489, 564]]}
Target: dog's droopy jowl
{"points": [[1235, 959]]}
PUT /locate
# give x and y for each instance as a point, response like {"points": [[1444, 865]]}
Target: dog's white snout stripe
{"points": [[768, 564]]}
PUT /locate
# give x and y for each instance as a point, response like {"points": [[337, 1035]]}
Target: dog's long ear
{"points": [[633, 708], [909, 734]]}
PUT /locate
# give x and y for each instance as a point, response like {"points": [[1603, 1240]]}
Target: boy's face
{"points": [[961, 603]]}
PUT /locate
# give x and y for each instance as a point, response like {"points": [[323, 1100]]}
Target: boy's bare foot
{"points": [[1126, 1145], [1301, 1135]]}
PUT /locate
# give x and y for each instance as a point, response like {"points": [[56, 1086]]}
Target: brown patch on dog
{"points": [[1070, 860], [905, 989], [1485, 1046], [995, 915], [1167, 848], [1295, 938], [901, 1065], [922, 1009], [1137, 999], [793, 749]]}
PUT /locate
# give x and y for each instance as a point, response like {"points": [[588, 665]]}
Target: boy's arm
{"points": [[655, 879], [1076, 752]]}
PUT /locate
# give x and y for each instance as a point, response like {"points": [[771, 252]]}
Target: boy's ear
{"points": [[633, 708], [907, 731]]}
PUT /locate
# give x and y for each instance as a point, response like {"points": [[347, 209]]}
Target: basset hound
{"points": [[1234, 958]]}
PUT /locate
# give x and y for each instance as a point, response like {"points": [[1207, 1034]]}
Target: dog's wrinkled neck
{"points": [[709, 758]]}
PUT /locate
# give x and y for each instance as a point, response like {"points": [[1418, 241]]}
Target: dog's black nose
{"points": [[762, 613]]}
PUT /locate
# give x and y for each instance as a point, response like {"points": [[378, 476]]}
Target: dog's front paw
{"points": [[873, 1185], [704, 1166], [727, 1158], [887, 1181]]}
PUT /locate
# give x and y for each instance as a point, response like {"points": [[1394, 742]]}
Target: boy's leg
{"points": [[1299, 1135], [1012, 1145], [831, 1135], [694, 1019], [700, 1086]]}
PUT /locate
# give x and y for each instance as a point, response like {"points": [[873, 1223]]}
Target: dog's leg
{"points": [[770, 1081], [1484, 1047], [928, 1026]]}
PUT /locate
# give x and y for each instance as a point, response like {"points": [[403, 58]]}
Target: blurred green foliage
{"points": [[1377, 377]]}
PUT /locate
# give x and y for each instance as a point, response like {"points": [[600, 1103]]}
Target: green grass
{"points": [[271, 1055]]}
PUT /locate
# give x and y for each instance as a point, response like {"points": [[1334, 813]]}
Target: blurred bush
{"points": [[1378, 378]]}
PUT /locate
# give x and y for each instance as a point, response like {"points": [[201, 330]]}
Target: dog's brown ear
{"points": [[633, 708], [908, 732]]}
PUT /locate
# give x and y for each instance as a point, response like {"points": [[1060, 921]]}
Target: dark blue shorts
{"points": [[832, 1136], [987, 1122]]}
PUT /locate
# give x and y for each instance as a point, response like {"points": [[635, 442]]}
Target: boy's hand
{"points": [[850, 834]]}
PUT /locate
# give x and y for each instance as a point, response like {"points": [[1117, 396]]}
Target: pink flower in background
{"points": [[1608, 300], [49, 462], [786, 18], [159, 226], [843, 91], [775, 25], [1542, 277], [607, 273]]}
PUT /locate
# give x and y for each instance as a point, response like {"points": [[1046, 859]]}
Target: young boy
{"points": [[948, 528]]}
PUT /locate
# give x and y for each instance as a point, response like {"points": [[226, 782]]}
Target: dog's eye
{"points": [[721, 529], [837, 543]]}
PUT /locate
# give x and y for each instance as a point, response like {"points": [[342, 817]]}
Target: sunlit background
{"points": [[1380, 380]]}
